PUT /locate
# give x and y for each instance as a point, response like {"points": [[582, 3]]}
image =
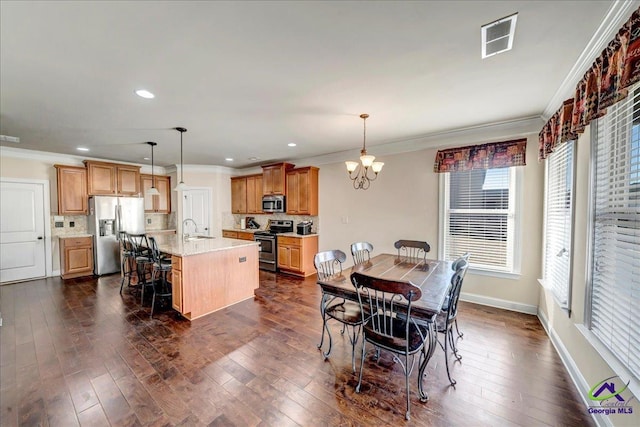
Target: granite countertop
{"points": [[246, 230], [162, 231], [174, 244], [294, 234]]}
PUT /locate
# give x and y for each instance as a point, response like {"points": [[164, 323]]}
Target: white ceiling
{"points": [[246, 78]]}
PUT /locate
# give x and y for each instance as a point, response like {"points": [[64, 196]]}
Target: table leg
{"points": [[433, 342]]}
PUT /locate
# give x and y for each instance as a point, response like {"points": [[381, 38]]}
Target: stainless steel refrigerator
{"points": [[108, 216]]}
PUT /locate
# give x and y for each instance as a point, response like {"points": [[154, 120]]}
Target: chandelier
{"points": [[361, 179]]}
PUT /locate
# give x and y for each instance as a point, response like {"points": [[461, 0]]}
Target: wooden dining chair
{"points": [[361, 252], [388, 324], [412, 248], [327, 264], [446, 318]]}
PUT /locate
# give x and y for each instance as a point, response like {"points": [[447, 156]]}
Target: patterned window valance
{"points": [[604, 84], [484, 156]]}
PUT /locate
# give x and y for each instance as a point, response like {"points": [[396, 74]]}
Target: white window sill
{"points": [[491, 273], [610, 359]]}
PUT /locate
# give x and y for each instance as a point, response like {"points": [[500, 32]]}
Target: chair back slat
{"points": [[155, 252], [361, 252], [329, 263], [139, 243], [455, 289], [412, 248]]}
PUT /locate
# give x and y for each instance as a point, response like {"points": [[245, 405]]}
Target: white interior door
{"points": [[196, 205], [22, 231]]}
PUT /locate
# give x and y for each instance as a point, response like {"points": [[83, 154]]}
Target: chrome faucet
{"points": [[184, 224]]}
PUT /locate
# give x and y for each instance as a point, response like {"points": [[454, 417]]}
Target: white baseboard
{"points": [[572, 368], [55, 273], [499, 303]]}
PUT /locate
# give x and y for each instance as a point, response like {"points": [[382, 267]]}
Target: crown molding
{"points": [[616, 16], [479, 134]]}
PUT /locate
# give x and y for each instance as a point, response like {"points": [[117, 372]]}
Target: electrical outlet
{"points": [[59, 224], [148, 220], [72, 224]]}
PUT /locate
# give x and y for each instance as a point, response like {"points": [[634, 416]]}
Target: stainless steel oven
{"points": [[268, 258], [268, 250]]}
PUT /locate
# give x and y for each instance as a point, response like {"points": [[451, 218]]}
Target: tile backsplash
{"points": [[233, 220], [155, 221], [71, 224]]}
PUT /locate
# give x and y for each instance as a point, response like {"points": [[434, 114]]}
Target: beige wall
{"points": [[591, 366], [403, 204]]}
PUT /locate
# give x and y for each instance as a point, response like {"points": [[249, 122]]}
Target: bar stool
{"points": [[128, 259], [143, 260], [161, 267]]}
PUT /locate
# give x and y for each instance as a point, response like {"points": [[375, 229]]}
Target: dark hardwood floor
{"points": [[78, 353]]}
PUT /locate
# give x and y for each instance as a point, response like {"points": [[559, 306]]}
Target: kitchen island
{"points": [[210, 273]]}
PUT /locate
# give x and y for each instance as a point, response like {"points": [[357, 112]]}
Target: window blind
{"points": [[615, 285], [479, 217], [558, 222]]}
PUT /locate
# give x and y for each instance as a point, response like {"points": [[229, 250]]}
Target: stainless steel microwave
{"points": [[273, 204]]}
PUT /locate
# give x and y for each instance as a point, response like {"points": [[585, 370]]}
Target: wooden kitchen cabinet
{"points": [[112, 179], [72, 190], [295, 254], [176, 283], [274, 178], [239, 194], [302, 191], [242, 235], [160, 203], [246, 194], [254, 194], [76, 256]]}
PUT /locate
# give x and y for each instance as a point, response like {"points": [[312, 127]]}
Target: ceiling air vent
{"points": [[497, 36]]}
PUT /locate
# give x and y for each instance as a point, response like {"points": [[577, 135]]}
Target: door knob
{"points": [[40, 237]]}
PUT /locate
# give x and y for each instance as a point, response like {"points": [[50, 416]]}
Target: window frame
{"points": [[617, 364], [544, 280], [515, 218]]}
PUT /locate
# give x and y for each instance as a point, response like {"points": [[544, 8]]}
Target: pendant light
{"points": [[181, 185], [153, 191], [362, 180]]}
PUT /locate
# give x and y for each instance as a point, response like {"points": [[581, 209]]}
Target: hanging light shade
{"points": [[181, 185], [361, 179], [153, 191]]}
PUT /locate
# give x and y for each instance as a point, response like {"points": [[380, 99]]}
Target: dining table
{"points": [[433, 277]]}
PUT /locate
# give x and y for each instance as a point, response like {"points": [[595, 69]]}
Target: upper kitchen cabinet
{"points": [[112, 179], [254, 194], [160, 203], [302, 191], [72, 190], [246, 194], [274, 178], [239, 195]]}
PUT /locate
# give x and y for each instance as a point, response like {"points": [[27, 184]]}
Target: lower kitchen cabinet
{"points": [[76, 257], [295, 254], [242, 235], [176, 283]]}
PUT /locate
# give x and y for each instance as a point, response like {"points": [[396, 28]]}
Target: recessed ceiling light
{"points": [[146, 158], [7, 138], [229, 159], [83, 149], [145, 93], [253, 159], [292, 144]]}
